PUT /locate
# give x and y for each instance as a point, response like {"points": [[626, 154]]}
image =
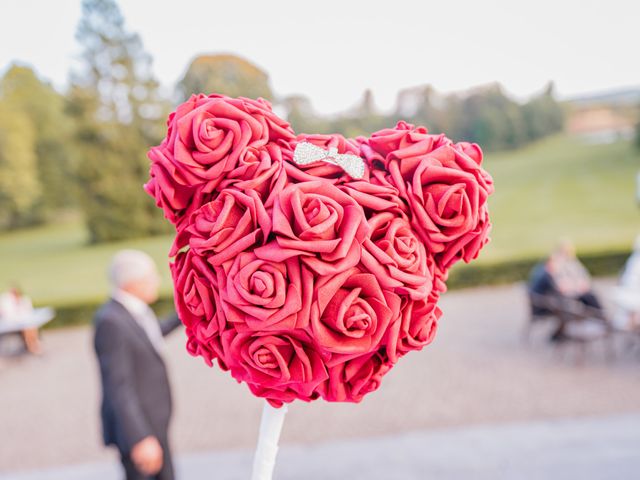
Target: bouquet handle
{"points": [[268, 437]]}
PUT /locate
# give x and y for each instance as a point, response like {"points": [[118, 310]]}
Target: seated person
{"points": [[14, 306], [627, 294], [563, 276], [571, 278], [541, 285]]}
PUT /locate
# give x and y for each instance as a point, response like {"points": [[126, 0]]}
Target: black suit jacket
{"points": [[136, 395]]}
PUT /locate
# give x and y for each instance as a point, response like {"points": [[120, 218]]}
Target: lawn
{"points": [[55, 264], [555, 188], [560, 187]]}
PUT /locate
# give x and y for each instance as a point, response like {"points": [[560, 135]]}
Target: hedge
{"points": [[465, 276]]}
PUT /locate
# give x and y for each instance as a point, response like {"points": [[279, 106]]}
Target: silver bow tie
{"points": [[306, 153]]}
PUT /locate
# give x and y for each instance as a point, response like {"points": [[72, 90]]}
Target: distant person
{"points": [[17, 307], [571, 278], [562, 276], [136, 394], [627, 294], [542, 286]]}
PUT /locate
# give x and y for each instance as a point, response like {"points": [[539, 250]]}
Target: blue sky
{"points": [[332, 50]]}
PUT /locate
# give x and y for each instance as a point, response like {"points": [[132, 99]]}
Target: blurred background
{"points": [[550, 90]]}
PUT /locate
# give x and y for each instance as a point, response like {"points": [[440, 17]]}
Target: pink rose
{"points": [[208, 134], [260, 170], [221, 229], [375, 197], [263, 294], [166, 185], [396, 257], [206, 138], [416, 327], [403, 141], [198, 305], [279, 367], [350, 381], [351, 313], [319, 222]]}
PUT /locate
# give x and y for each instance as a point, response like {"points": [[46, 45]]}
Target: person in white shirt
{"points": [[17, 307]]}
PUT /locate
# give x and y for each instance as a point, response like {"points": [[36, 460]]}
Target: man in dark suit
{"points": [[136, 395]]}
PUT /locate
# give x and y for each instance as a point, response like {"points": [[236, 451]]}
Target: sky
{"points": [[332, 50]]}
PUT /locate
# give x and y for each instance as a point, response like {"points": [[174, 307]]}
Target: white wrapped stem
{"points": [[267, 448]]}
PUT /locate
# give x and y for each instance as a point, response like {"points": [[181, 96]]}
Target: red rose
{"points": [[403, 141], [221, 229], [396, 257], [263, 294], [198, 305], [206, 138], [350, 381], [260, 170], [351, 313], [279, 367], [319, 222], [415, 328], [171, 191]]}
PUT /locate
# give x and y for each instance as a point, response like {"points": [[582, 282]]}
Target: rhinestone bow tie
{"points": [[306, 153]]}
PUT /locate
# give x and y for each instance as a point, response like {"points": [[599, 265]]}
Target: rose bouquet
{"points": [[303, 280], [308, 265]]}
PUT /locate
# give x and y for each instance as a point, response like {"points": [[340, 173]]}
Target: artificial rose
{"points": [[319, 222], [209, 134], [206, 138], [396, 257], [279, 367], [375, 197], [221, 229], [173, 193], [468, 246], [415, 328], [198, 304], [260, 170], [262, 294], [350, 381], [403, 141], [351, 313]]}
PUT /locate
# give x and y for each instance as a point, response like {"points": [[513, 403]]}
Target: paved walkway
{"points": [[586, 449], [476, 373]]}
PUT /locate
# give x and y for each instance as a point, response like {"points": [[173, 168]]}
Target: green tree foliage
{"points": [[485, 115], [226, 74], [20, 189], [543, 115], [52, 131], [118, 114]]}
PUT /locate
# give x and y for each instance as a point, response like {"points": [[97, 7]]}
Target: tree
{"points": [[119, 113], [43, 108], [226, 74], [543, 115], [20, 188]]}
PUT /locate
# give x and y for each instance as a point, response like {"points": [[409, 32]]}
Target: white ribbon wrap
{"points": [[267, 448]]}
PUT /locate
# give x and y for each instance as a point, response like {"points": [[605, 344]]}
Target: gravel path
{"points": [[477, 372]]}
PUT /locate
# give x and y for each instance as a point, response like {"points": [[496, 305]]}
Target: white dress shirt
{"points": [[143, 314]]}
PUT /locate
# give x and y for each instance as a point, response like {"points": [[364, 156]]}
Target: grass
{"points": [[557, 187], [56, 265], [560, 187]]}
